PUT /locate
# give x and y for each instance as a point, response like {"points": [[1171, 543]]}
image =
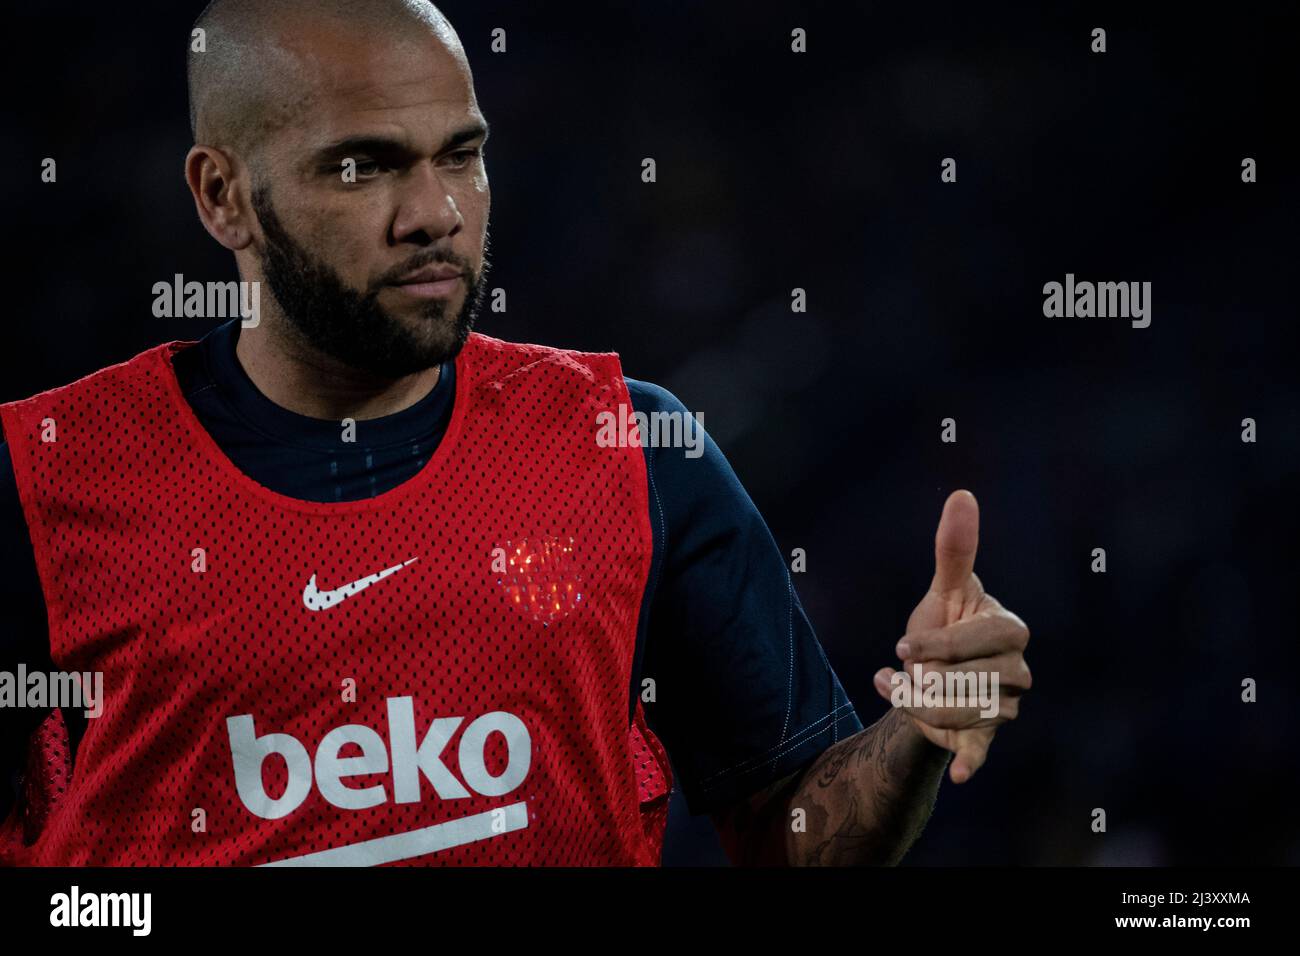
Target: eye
{"points": [[368, 167], [462, 158]]}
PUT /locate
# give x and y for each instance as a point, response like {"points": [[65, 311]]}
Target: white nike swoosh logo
{"points": [[317, 600], [405, 846]]}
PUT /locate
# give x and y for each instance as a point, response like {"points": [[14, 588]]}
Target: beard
{"points": [[350, 326]]}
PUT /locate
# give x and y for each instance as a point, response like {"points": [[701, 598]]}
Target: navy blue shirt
{"points": [[744, 694]]}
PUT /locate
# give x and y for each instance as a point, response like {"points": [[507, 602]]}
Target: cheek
{"points": [[480, 196], [342, 241], [479, 181], [473, 200]]}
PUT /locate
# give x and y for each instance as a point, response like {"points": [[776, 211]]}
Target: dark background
{"points": [[821, 171]]}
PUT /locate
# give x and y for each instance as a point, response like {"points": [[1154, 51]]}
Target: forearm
{"points": [[867, 798]]}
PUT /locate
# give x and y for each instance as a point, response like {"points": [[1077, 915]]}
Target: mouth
{"points": [[431, 282]]}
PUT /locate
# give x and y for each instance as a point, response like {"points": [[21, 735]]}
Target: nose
{"points": [[427, 208]]}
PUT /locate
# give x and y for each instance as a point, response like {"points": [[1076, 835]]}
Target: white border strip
{"points": [[404, 846]]}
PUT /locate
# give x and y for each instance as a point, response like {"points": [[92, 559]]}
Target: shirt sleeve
{"points": [[744, 694]]}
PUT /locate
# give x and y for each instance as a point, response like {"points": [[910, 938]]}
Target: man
{"points": [[365, 587]]}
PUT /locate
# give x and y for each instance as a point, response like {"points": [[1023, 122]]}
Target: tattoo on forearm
{"points": [[868, 797], [864, 748]]}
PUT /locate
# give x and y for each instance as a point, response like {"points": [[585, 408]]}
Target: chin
{"points": [[437, 336]]}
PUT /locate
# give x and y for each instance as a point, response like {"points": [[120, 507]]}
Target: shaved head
{"points": [[338, 152], [254, 75]]}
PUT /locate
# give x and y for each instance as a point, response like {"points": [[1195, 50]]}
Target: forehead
{"points": [[417, 80]]}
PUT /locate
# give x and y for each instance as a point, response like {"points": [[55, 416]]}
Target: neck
{"points": [[307, 382]]}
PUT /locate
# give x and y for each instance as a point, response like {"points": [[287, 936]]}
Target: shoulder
{"points": [[649, 397], [98, 380], [495, 362], [480, 345]]}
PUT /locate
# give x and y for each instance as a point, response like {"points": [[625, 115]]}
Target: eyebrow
{"points": [[369, 145]]}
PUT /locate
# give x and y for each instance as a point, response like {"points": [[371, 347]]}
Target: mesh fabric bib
{"points": [[438, 675]]}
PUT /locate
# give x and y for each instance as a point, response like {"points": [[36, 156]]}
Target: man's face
{"points": [[357, 266]]}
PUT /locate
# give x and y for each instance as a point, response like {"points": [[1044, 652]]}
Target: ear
{"points": [[219, 196]]}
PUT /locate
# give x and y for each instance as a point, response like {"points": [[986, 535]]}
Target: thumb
{"points": [[955, 542]]}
